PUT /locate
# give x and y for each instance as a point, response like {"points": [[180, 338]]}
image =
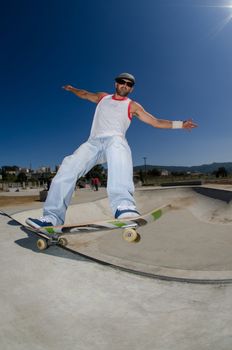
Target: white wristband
{"points": [[177, 124]]}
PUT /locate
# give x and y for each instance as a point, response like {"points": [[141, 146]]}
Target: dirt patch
{"points": [[17, 200]]}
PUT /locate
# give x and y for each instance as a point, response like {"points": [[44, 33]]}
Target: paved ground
{"points": [[58, 300], [191, 242]]}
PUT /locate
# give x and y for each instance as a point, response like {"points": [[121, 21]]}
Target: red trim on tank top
{"points": [[119, 99], [130, 116], [104, 95]]}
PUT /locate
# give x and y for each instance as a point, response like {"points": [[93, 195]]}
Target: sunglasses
{"points": [[124, 82]]}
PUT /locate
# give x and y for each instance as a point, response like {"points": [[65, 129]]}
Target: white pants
{"points": [[120, 187]]}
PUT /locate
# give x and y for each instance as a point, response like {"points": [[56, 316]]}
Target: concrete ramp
{"points": [[192, 242]]}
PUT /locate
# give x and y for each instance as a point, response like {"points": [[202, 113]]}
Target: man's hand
{"points": [[189, 124], [68, 87]]}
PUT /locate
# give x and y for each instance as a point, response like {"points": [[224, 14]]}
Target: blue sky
{"points": [[179, 51]]}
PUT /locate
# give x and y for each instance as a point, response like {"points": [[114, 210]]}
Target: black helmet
{"points": [[127, 76]]}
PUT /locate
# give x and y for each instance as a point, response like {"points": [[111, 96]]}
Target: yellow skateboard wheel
{"points": [[63, 241], [130, 235], [42, 244]]}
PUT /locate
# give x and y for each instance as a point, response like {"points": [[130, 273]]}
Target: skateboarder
{"points": [[106, 143]]}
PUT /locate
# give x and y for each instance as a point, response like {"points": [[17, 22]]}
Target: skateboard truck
{"points": [[44, 243]]}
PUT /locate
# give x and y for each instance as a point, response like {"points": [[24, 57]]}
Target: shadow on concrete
{"points": [[29, 242]]}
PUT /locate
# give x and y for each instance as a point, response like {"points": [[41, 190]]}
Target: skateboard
{"points": [[51, 235], [44, 239]]}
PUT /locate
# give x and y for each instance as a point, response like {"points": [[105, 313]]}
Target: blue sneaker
{"points": [[38, 223], [126, 214]]}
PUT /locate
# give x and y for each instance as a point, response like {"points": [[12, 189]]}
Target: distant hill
{"points": [[204, 168]]}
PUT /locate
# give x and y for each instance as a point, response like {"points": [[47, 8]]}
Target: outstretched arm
{"points": [[147, 118], [90, 96]]}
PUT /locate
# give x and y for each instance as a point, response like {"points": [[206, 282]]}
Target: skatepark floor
{"points": [[58, 299]]}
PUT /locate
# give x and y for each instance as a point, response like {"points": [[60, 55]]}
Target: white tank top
{"points": [[112, 117]]}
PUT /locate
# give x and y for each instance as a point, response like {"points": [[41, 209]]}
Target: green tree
{"points": [[22, 177], [221, 172], [154, 172], [97, 171]]}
